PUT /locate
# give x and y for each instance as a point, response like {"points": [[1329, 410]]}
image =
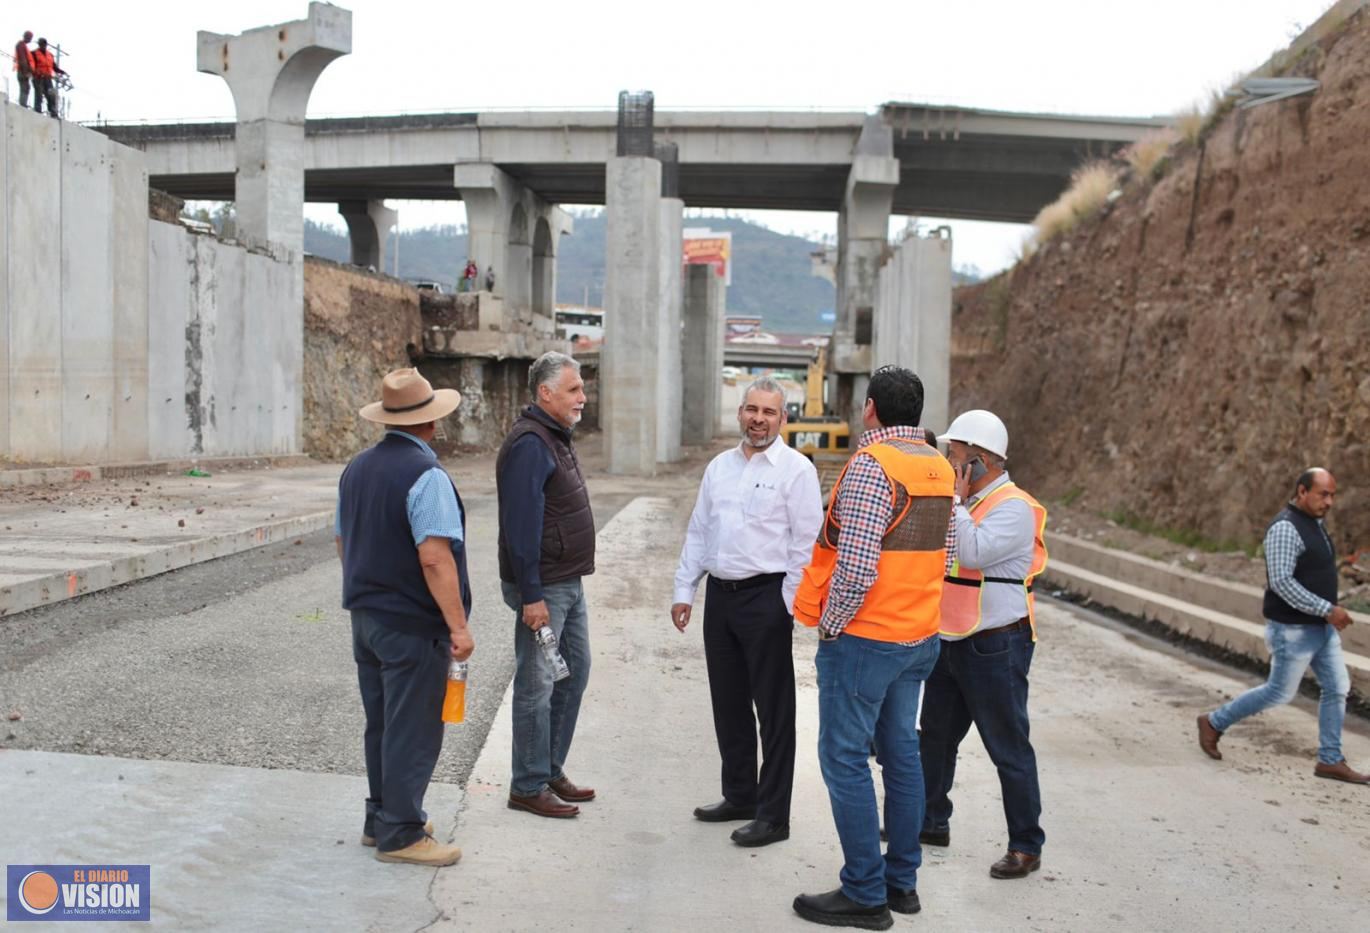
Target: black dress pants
{"points": [[748, 639]]}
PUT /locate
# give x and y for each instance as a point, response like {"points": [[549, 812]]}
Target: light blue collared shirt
{"points": [[431, 503]]}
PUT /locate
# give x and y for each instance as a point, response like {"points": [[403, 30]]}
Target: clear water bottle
{"points": [[547, 640], [454, 703]]}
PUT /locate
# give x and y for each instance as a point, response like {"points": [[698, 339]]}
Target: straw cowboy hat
{"points": [[408, 398]]}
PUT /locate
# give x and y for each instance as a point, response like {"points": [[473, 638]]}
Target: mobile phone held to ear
{"points": [[977, 469]]}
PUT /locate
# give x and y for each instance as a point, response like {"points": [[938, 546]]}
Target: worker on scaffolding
{"points": [[45, 72], [23, 64]]}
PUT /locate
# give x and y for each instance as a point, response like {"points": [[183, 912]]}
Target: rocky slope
{"points": [[1180, 358]]}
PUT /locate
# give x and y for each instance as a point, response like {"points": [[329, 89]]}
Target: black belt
{"points": [[1022, 625], [962, 581], [732, 586]]}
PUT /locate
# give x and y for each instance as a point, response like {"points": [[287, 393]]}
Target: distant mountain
{"points": [[771, 271]]}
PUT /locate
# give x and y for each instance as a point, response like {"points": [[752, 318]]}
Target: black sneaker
{"points": [[903, 902]]}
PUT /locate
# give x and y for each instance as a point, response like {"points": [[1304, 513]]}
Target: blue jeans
{"points": [[984, 680], [869, 690], [544, 712], [1292, 649]]}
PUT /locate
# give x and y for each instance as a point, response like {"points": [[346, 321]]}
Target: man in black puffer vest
{"points": [[401, 535], [1303, 627], [546, 544]]}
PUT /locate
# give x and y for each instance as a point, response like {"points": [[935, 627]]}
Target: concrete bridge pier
{"points": [[513, 231], [670, 372], [630, 358], [913, 319], [862, 246], [271, 71], [368, 227], [704, 300]]}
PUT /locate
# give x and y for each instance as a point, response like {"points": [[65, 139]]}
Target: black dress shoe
{"points": [[761, 833], [835, 909], [903, 902], [935, 837], [723, 811]]}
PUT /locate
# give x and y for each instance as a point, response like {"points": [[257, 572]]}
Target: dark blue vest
{"points": [[381, 570], [1316, 569]]}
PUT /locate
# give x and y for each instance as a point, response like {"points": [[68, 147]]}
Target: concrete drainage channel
{"points": [[1217, 617]]}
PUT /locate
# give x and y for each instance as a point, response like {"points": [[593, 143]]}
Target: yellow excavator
{"points": [[815, 432]]}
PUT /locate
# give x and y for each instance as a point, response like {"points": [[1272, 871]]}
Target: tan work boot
{"points": [[427, 851], [371, 840]]}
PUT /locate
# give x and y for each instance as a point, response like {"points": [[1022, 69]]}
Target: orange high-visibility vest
{"points": [[903, 603], [966, 587], [23, 58], [43, 64]]}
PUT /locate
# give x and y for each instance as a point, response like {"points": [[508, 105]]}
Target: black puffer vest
{"points": [[568, 525]]}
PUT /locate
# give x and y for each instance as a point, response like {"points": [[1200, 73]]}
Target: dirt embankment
{"points": [[357, 327], [1180, 358]]}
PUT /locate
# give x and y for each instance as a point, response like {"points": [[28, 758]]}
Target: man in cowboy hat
{"points": [[401, 533]]}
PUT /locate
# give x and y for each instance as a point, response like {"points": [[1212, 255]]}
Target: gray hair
{"points": [[765, 384], [547, 368]]}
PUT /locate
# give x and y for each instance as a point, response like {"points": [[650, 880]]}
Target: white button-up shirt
{"points": [[1000, 546], [752, 516]]}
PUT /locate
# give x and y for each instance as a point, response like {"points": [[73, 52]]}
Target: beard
{"points": [[758, 444]]}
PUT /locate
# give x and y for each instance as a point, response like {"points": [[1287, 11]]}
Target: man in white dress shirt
{"points": [[755, 520], [988, 635]]}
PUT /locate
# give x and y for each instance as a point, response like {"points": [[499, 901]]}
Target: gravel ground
{"points": [[247, 660]]}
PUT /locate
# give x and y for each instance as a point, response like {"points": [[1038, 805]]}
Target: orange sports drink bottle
{"points": [[454, 704]]}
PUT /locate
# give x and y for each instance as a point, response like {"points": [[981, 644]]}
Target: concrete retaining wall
{"points": [[127, 339]]}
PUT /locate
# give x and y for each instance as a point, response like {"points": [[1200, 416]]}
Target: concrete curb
{"points": [[59, 475], [56, 587], [1152, 597]]}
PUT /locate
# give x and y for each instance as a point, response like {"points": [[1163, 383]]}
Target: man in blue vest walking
{"points": [[401, 536], [1303, 627]]}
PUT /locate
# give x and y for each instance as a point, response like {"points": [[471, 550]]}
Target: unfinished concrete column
{"points": [[913, 319], [629, 360], [862, 242], [271, 72], [368, 227], [702, 352], [670, 381]]}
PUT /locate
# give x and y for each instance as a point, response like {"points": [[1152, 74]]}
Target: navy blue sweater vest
{"points": [[381, 570], [1316, 569]]}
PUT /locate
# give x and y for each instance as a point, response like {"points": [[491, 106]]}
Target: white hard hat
{"points": [[979, 428]]}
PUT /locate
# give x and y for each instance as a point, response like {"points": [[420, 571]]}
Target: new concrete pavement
{"points": [[1143, 832]]}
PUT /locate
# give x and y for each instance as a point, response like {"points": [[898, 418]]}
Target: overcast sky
{"points": [[136, 60]]}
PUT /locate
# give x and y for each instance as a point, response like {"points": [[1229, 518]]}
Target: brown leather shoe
{"points": [[1015, 865], [564, 789], [1340, 771], [1208, 738], [544, 803]]}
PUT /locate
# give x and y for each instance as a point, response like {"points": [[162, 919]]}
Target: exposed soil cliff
{"points": [[1182, 356], [357, 327]]}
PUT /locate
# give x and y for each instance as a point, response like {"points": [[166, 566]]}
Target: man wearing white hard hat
{"points": [[401, 533], [988, 633]]}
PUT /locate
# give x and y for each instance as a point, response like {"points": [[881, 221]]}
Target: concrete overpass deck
{"points": [[954, 162]]}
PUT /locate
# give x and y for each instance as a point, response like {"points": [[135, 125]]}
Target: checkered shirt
{"points": [[1283, 546], [863, 505]]}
